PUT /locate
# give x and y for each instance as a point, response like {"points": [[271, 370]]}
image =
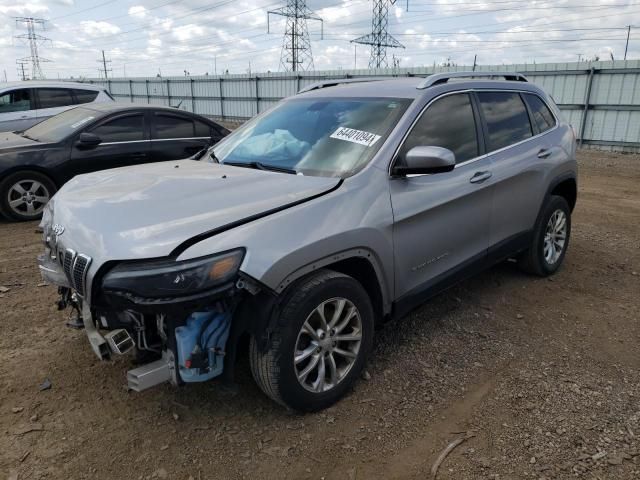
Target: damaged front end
{"points": [[176, 316]]}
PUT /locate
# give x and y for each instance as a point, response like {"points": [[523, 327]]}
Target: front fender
{"points": [[353, 221]]}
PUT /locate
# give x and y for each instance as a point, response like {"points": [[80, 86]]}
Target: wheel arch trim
{"points": [[361, 253]]}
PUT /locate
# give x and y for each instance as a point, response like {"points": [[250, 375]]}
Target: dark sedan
{"points": [[38, 161]]}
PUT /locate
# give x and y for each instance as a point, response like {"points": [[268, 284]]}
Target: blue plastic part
{"points": [[215, 335]]}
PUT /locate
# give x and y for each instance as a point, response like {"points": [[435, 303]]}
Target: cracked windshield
{"points": [[331, 137]]}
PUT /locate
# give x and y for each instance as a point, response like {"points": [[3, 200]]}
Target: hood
{"points": [[146, 211], [9, 140]]}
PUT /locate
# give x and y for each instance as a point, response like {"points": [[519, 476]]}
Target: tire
{"points": [[274, 368], [24, 194], [538, 260]]}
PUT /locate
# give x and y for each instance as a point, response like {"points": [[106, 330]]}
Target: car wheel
{"points": [[550, 239], [319, 346], [23, 195]]}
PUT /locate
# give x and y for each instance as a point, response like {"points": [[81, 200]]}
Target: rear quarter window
{"points": [[85, 96], [506, 118], [541, 114]]}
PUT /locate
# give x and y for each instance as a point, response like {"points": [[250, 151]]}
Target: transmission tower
{"points": [[34, 40], [104, 70], [379, 39], [296, 47]]}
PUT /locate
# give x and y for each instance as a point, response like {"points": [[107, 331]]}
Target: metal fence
{"points": [[600, 99]]}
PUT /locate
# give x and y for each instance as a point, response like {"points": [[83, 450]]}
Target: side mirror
{"points": [[422, 160], [88, 140]]}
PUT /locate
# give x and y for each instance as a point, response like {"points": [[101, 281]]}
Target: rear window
{"points": [[170, 126], [54, 97], [85, 96], [541, 114], [506, 118]]}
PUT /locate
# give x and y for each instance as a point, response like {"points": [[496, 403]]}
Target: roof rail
{"points": [[339, 81], [440, 78]]}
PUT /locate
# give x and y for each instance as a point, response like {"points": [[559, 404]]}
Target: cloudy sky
{"points": [[146, 37]]}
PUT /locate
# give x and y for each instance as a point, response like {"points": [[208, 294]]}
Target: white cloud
{"points": [[138, 11], [28, 8], [187, 32], [98, 29]]}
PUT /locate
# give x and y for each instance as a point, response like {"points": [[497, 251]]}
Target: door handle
{"points": [[138, 155], [544, 153], [480, 177]]}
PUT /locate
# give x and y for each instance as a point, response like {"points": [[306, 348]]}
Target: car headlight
{"points": [[160, 279]]}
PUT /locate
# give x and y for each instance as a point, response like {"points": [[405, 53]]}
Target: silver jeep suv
{"points": [[338, 209]]}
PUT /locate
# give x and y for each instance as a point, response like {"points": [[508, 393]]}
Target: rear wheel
{"points": [[23, 195], [550, 239], [320, 344]]}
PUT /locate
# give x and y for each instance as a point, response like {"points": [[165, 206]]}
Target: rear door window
{"points": [[85, 96], [54, 97], [202, 129], [122, 129], [506, 118], [541, 114], [171, 126], [16, 101], [447, 123]]}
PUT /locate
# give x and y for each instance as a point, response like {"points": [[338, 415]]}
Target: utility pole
{"points": [[379, 39], [5, 76], [296, 47], [34, 39], [626, 47], [104, 71], [355, 56], [475, 60], [23, 75]]}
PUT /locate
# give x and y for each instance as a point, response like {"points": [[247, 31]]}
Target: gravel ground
{"points": [[541, 375]]}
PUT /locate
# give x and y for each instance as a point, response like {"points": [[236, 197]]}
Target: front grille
{"points": [[79, 273], [67, 261], [75, 267]]}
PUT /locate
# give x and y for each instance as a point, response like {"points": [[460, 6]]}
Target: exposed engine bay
{"points": [[181, 339]]}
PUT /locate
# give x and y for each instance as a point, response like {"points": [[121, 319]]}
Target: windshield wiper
{"points": [[262, 166]]}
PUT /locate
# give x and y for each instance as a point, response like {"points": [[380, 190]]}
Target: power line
{"points": [[379, 39], [296, 47], [76, 12]]}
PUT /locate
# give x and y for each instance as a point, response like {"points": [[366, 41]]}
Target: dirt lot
{"points": [[543, 372]]}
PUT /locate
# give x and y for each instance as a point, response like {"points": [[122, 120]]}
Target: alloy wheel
{"points": [[555, 237], [28, 197], [327, 345]]}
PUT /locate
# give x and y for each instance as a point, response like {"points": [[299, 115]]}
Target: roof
{"points": [[416, 87], [51, 84], [399, 87], [114, 107]]}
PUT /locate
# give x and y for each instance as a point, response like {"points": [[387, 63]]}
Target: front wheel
{"points": [[320, 344], [550, 239]]}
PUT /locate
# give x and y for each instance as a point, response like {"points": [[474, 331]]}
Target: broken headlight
{"points": [[168, 278]]}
